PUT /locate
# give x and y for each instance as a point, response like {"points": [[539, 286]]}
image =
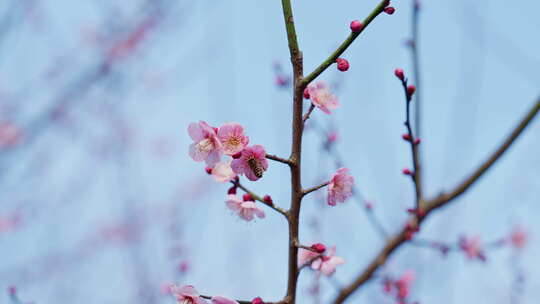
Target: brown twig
{"points": [[315, 188], [397, 240], [278, 159], [258, 198]]}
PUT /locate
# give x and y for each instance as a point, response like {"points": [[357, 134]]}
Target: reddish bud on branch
{"points": [[268, 199], [320, 248], [247, 197], [389, 10], [208, 170], [406, 171], [406, 136], [306, 93], [399, 74], [410, 90], [342, 64], [356, 26], [257, 300]]}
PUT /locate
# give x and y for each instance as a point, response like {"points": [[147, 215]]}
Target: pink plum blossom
{"points": [[518, 238], [232, 138], [326, 264], [10, 134], [206, 144], [340, 186], [472, 247], [222, 300], [403, 284], [252, 162], [187, 295], [246, 210], [222, 172], [322, 98]]}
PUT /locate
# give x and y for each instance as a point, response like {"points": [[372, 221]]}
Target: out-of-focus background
{"points": [[100, 202]]}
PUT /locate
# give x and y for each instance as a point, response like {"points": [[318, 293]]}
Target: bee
{"points": [[256, 167]]}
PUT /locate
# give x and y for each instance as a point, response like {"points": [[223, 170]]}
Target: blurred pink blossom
{"points": [[186, 295], [322, 98], [340, 186], [222, 172]]}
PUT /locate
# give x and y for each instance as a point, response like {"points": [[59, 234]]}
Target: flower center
{"points": [[233, 142], [205, 145]]}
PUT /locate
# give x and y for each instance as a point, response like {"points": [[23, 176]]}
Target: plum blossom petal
{"points": [[340, 187], [222, 300], [186, 295], [326, 264], [304, 256], [232, 138], [322, 98], [251, 163], [246, 210], [206, 145], [222, 172]]}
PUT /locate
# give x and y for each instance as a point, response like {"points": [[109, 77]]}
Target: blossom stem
{"points": [[309, 190], [308, 113], [278, 159], [344, 45], [431, 205], [243, 302], [260, 199], [416, 174]]}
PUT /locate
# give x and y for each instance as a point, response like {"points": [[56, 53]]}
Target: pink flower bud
{"points": [[232, 190], [306, 93], [410, 90], [406, 171], [399, 74], [208, 170], [257, 300], [406, 136], [247, 197], [389, 10], [417, 141], [12, 290], [356, 26], [237, 155], [268, 199], [320, 248], [342, 64]]}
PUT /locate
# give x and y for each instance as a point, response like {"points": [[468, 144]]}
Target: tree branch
{"points": [[258, 198], [309, 190], [443, 199], [344, 45], [278, 159], [296, 152]]}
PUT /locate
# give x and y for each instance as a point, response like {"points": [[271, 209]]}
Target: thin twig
{"points": [[416, 175], [244, 302], [397, 240], [308, 113], [258, 198], [344, 45], [309, 190], [278, 159]]}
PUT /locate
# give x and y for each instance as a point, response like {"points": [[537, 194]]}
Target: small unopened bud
{"points": [[306, 93], [406, 136], [237, 155], [410, 90], [268, 199], [320, 248], [356, 26], [342, 64], [417, 141], [389, 10], [12, 290], [232, 190], [247, 197], [257, 300], [399, 74], [208, 170], [406, 171]]}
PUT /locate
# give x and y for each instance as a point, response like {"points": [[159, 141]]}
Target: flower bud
{"points": [[356, 26]]}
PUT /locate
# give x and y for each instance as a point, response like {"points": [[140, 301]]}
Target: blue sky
{"points": [[212, 61]]}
